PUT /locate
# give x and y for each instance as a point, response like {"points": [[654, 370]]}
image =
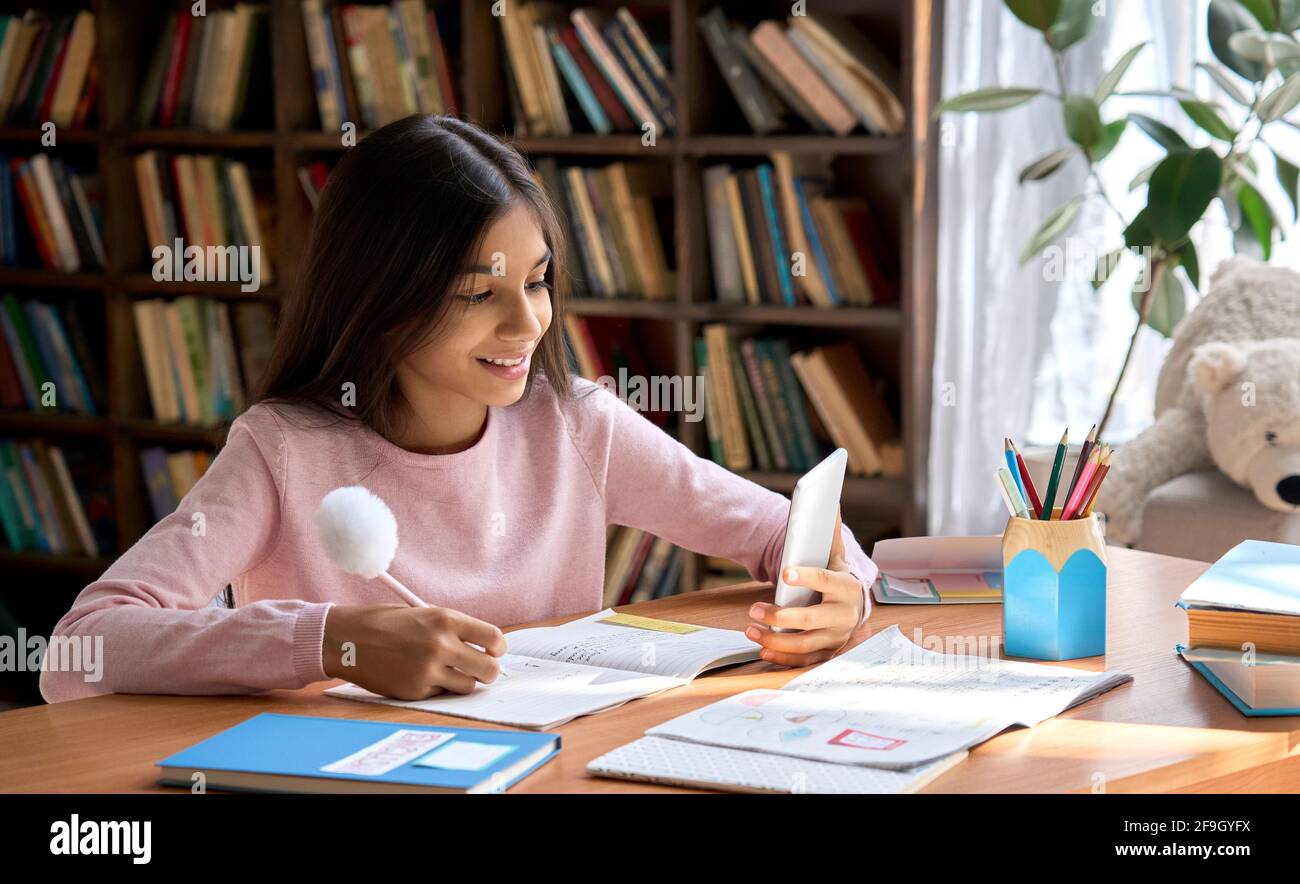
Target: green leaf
{"points": [[1142, 177], [1168, 303], [1263, 12], [1072, 24], [1045, 165], [1276, 211], [1182, 187], [990, 98], [1159, 132], [1110, 80], [1139, 232], [1288, 174], [1281, 100], [1208, 119], [1224, 81], [1257, 217], [1107, 264], [1110, 134], [1038, 14], [1269, 49], [1082, 120], [1225, 18], [1056, 224], [1191, 266]]}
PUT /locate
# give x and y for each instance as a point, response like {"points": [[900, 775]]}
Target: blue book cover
{"points": [[578, 84], [814, 239], [774, 227], [271, 752], [1217, 683]]}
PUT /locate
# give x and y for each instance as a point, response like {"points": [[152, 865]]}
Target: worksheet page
{"points": [[889, 703]]}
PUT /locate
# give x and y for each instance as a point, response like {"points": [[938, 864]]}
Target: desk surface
{"points": [[1168, 730]]}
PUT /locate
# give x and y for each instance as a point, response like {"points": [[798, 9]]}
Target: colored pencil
{"points": [[1010, 454], [1089, 443], [1027, 482], [1055, 479], [1102, 470], [1075, 502], [1011, 494]]}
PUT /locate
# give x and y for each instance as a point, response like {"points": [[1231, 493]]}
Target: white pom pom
{"points": [[357, 530]]}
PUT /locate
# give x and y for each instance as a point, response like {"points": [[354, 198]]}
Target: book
{"points": [[1250, 595], [1259, 684], [888, 703], [553, 674], [678, 763], [271, 752], [938, 570]]}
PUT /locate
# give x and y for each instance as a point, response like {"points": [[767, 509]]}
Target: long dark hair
{"points": [[403, 215]]}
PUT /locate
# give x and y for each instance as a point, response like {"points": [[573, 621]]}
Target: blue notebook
{"points": [[302, 753]]}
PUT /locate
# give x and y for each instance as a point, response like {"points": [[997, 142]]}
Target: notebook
{"points": [[304, 753], [675, 763], [553, 674], [1255, 575], [890, 703], [938, 570], [1271, 686]]}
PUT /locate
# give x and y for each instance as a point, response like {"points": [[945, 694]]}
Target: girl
{"points": [[421, 356]]}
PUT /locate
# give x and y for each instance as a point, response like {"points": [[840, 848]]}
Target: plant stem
{"points": [[1148, 297]]}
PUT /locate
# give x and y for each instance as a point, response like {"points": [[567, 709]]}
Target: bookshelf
{"points": [[895, 173]]}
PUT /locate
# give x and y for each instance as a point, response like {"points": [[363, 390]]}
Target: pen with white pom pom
{"points": [[359, 534]]}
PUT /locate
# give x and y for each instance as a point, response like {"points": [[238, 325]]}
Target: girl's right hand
{"points": [[410, 653]]}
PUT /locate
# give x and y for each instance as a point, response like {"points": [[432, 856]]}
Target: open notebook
{"points": [[938, 570], [553, 674], [889, 703], [676, 763]]}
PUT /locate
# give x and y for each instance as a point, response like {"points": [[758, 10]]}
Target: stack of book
{"points": [[376, 64], [60, 206], [819, 69], [616, 217], [1243, 627], [210, 71], [639, 566], [206, 200], [588, 70], [46, 359], [169, 476], [191, 356], [777, 236], [755, 412], [47, 69], [45, 506]]}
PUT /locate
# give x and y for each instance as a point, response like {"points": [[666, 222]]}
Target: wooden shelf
{"points": [[899, 171], [84, 567]]}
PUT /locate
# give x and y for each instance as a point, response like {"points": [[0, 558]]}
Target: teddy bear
{"points": [[1228, 395]]}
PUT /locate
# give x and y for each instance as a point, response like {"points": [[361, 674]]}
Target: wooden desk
{"points": [[1166, 731]]}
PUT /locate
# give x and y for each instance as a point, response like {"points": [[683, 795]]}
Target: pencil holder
{"points": [[1054, 588]]}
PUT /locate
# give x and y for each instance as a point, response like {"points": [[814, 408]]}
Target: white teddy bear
{"points": [[1228, 396]]}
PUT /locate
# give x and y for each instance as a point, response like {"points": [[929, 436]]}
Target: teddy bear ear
{"points": [[1214, 366]]}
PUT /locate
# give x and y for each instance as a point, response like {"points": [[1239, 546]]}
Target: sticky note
{"points": [[638, 622], [464, 755]]}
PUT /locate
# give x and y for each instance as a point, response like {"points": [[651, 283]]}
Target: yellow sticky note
{"points": [[638, 622]]}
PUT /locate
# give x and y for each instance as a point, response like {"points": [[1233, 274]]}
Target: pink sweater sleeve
{"points": [[151, 608], [654, 482]]}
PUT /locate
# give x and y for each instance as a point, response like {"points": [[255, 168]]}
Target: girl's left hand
{"points": [[827, 625]]}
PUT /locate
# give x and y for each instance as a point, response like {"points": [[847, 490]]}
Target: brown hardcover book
{"points": [[770, 39], [1230, 629], [735, 445]]}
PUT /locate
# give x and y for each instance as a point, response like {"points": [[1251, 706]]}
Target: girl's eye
{"points": [[540, 285], [477, 298]]}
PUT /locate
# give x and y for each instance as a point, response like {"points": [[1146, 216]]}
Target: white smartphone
{"points": [[810, 528]]}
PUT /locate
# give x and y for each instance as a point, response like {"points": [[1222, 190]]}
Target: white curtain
{"points": [[1017, 353]]}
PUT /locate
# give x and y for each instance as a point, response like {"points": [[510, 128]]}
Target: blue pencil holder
{"points": [[1054, 588]]}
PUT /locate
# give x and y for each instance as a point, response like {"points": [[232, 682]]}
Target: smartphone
{"points": [[810, 528]]}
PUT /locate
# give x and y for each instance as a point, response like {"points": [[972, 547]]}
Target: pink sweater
{"points": [[510, 530]]}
